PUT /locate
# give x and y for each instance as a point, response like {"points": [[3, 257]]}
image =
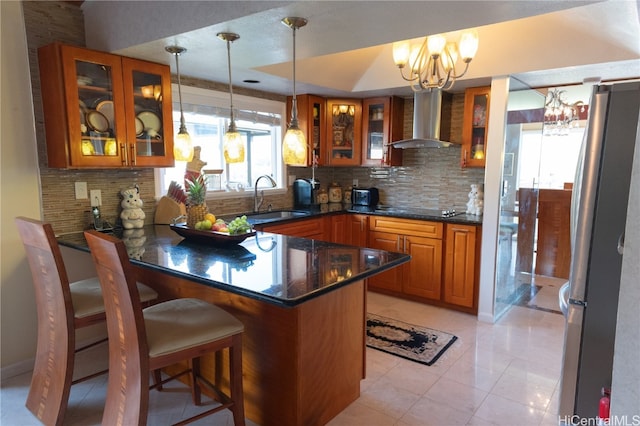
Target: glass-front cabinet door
{"points": [[475, 126], [382, 124], [98, 112], [344, 124], [95, 113], [147, 86], [376, 129]]}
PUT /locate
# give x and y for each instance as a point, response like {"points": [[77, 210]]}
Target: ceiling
{"points": [[345, 49]]}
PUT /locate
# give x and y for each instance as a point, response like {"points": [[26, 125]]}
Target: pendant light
{"points": [[232, 144], [294, 144], [182, 145]]}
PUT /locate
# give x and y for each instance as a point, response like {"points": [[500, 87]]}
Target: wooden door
{"points": [[391, 279], [422, 276], [460, 265]]}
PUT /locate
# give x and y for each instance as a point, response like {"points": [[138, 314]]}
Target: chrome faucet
{"points": [[258, 203]]}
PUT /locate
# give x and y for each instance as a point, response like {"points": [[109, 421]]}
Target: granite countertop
{"points": [[338, 208], [275, 268]]}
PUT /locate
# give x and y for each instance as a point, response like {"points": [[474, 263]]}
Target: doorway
{"points": [[540, 158]]}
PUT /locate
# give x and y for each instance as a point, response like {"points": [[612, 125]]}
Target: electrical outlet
{"points": [[292, 179], [81, 190], [355, 182], [96, 197]]}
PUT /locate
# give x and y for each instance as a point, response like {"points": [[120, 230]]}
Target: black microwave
{"points": [[364, 196]]}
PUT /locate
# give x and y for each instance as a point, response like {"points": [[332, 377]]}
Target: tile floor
{"points": [[495, 374]]}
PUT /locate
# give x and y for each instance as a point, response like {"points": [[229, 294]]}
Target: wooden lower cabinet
{"points": [[391, 279], [445, 261], [460, 266], [349, 229], [444, 266], [315, 229], [422, 276]]}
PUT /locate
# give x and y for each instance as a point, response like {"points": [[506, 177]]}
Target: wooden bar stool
{"points": [[62, 308], [144, 341]]}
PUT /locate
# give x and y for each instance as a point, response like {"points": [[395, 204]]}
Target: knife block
{"points": [[167, 210]]}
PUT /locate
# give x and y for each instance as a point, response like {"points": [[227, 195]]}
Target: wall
{"points": [[19, 186]]}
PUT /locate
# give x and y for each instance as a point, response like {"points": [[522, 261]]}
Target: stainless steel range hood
{"points": [[427, 107]]}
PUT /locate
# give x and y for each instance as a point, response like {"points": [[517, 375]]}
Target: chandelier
{"points": [[432, 63], [559, 115]]}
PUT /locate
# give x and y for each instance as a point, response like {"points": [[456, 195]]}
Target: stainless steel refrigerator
{"points": [[599, 210]]}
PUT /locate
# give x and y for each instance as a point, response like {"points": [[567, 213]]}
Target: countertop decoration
{"points": [[132, 214]]}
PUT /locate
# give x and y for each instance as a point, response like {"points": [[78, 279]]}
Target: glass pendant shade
{"points": [[294, 147], [468, 45], [233, 147], [182, 146]]}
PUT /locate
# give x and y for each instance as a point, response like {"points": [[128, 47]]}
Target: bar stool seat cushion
{"points": [[166, 323], [86, 296]]}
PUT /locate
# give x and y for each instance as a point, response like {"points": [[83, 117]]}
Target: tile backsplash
{"points": [[429, 178]]}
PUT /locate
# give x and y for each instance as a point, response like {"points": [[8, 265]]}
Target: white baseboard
{"points": [[26, 365], [484, 317], [17, 369]]}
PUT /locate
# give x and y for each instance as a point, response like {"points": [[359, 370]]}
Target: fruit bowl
{"points": [[219, 239]]}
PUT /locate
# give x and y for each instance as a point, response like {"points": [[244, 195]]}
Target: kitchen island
{"points": [[303, 304]]}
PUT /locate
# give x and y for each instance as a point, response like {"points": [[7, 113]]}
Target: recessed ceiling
{"points": [[345, 49]]}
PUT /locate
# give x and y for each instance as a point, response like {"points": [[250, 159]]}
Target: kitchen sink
{"points": [[275, 215]]}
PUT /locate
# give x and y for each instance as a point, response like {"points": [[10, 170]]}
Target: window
{"points": [[206, 116], [548, 161]]}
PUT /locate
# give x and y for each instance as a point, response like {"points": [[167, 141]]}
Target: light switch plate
{"points": [[355, 183], [81, 190], [96, 197], [292, 179]]}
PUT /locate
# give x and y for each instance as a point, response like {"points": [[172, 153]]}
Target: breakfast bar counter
{"points": [[302, 302]]}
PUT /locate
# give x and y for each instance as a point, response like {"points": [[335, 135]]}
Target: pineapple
{"points": [[196, 206]]}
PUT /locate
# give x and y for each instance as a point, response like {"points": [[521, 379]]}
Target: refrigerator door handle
{"points": [[621, 243]]}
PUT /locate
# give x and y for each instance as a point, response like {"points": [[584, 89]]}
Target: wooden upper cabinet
{"points": [[475, 126], [344, 126], [312, 121], [103, 110], [382, 123]]}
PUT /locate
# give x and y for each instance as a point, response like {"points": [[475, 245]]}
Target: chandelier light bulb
{"points": [[401, 50], [468, 45], [436, 44]]}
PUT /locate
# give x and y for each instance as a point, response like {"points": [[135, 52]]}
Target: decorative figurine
{"points": [[194, 167], [476, 202], [132, 215]]}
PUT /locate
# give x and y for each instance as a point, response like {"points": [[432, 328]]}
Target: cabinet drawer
{"points": [[418, 228], [311, 228]]}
